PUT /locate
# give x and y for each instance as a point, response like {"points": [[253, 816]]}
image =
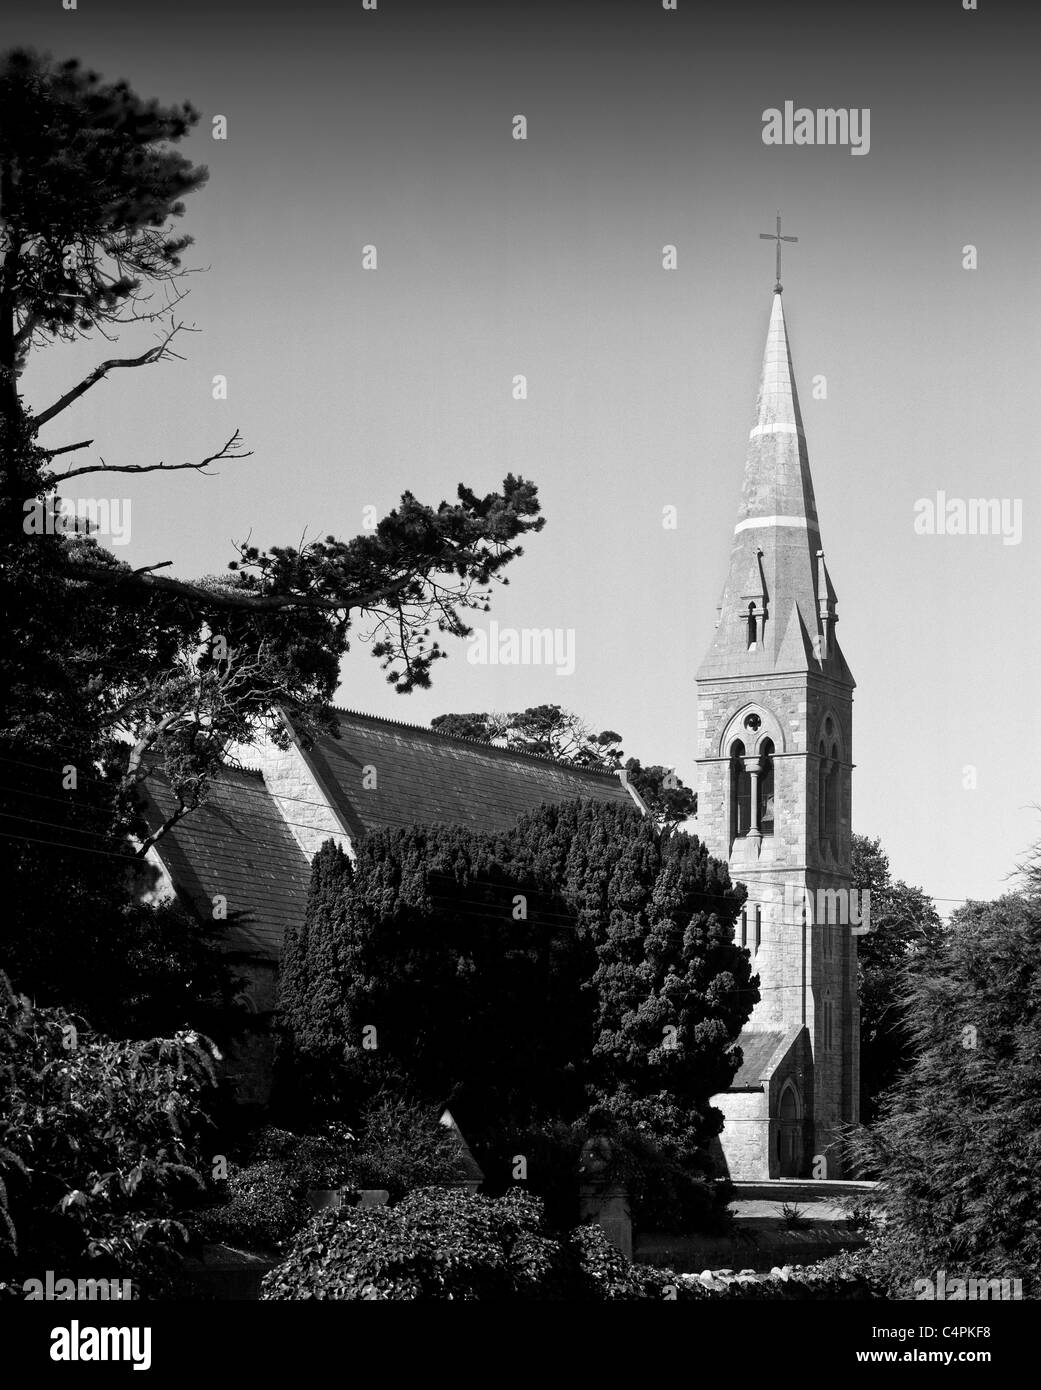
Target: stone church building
{"points": [[774, 762]]}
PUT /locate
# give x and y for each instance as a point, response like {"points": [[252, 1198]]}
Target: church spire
{"points": [[775, 740], [777, 485], [775, 615]]}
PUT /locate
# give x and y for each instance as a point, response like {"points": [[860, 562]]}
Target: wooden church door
{"points": [[789, 1138]]}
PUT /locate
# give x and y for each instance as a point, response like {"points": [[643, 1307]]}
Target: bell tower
{"points": [[775, 705]]}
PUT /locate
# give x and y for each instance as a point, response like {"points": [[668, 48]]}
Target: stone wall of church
{"points": [[298, 797], [807, 973], [745, 1141]]}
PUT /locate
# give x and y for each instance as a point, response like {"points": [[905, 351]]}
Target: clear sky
{"points": [[544, 257]]}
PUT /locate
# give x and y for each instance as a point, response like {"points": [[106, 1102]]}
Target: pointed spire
{"points": [[778, 607], [778, 488]]}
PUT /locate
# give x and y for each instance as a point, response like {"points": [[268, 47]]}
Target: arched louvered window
{"points": [[766, 787], [828, 774], [740, 792]]}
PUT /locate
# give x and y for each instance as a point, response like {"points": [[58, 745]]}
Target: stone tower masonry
{"points": [[774, 736]]}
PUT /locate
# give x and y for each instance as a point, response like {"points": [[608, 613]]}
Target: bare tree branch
{"points": [[67, 448], [226, 451], [182, 810], [154, 354]]}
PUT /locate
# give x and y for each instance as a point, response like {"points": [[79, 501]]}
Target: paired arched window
{"points": [[751, 789]]}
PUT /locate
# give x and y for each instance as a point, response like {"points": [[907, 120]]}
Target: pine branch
{"points": [[154, 354], [226, 451]]}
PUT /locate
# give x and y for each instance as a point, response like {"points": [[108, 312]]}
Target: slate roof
{"points": [[237, 844], [428, 778], [757, 1049]]}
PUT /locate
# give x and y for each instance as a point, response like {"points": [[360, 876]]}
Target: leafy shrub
{"points": [[873, 1265], [447, 1244], [436, 1244], [309, 1160], [402, 1146], [99, 1142], [605, 1272], [542, 1268], [262, 1208], [263, 1202]]}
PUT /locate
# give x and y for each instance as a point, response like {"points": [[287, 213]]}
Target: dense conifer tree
{"points": [[579, 959], [958, 1141]]}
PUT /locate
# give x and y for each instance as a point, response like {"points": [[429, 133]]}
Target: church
{"points": [[774, 740]]}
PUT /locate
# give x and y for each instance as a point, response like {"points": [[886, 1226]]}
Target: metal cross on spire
{"points": [[776, 236]]}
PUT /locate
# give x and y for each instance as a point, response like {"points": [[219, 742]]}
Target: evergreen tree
{"points": [[903, 922], [308, 984], [578, 959], [958, 1141]]}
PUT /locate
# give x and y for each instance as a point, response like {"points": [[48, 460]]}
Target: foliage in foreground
{"points": [[263, 1202], [958, 1142], [578, 959], [904, 922], [99, 1143], [445, 1244]]}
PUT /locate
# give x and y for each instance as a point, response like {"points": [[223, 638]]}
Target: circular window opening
{"points": [[752, 721]]}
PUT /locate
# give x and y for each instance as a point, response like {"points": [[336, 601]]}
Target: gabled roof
{"points": [[418, 775], [236, 844], [757, 1051]]}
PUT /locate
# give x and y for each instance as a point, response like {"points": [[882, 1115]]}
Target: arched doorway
{"points": [[789, 1133]]}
